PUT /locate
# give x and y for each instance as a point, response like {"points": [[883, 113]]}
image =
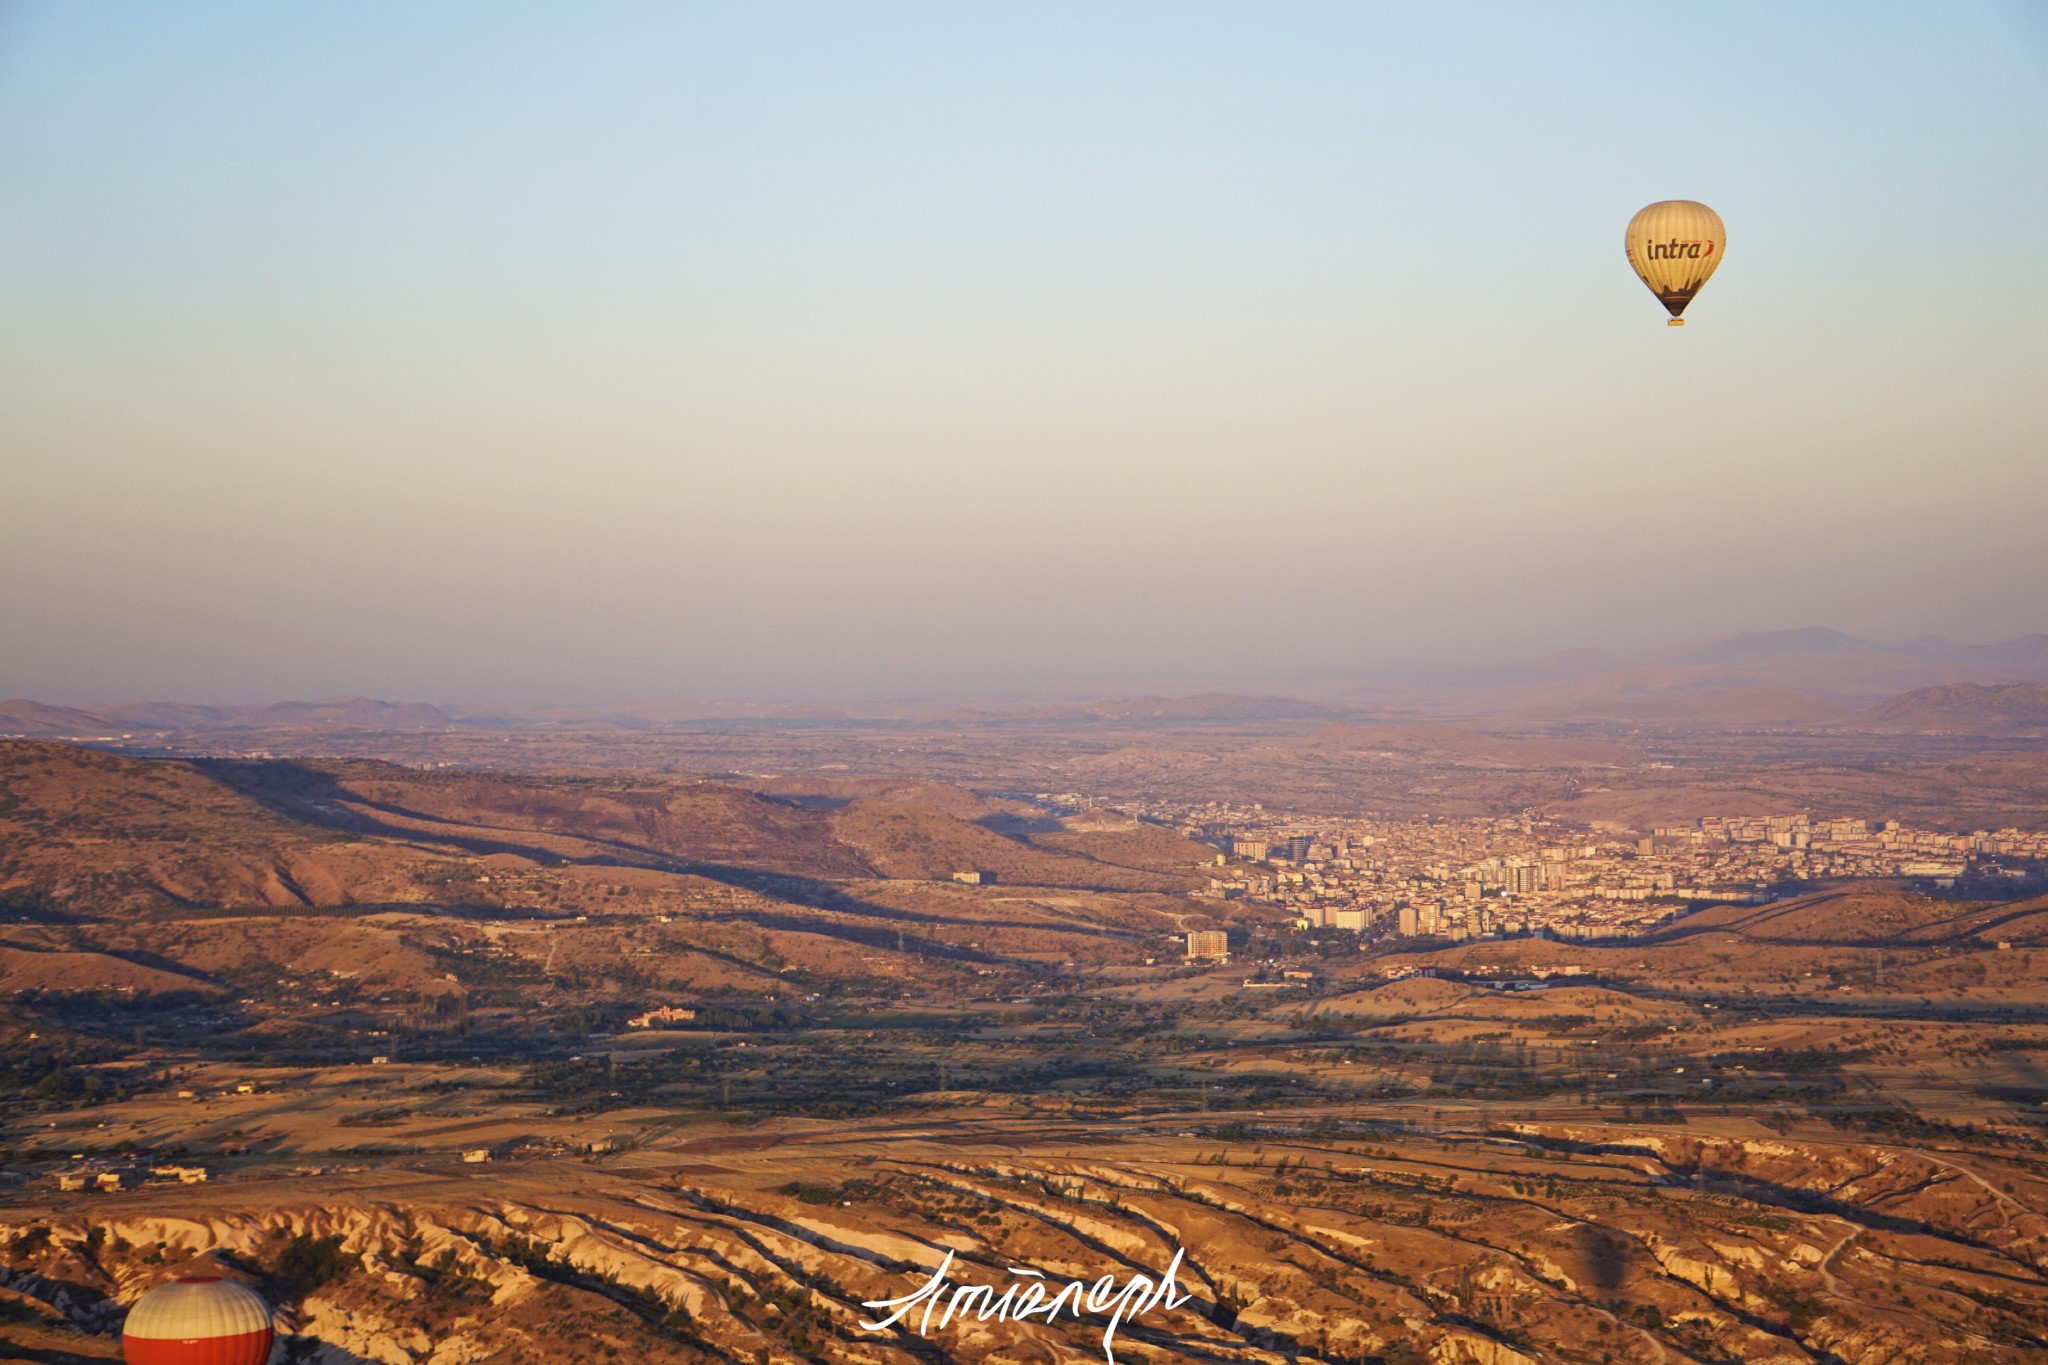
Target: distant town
{"points": [[1500, 878]]}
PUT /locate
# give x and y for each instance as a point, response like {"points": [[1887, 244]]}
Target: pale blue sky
{"points": [[480, 352]]}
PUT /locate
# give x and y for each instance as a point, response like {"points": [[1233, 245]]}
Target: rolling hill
{"points": [[109, 833], [1966, 707], [1772, 679], [35, 720]]}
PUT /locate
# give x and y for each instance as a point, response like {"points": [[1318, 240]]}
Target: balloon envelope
{"points": [[198, 1321], [1675, 245]]}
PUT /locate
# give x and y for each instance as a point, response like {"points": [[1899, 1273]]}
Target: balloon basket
{"points": [[1676, 322]]}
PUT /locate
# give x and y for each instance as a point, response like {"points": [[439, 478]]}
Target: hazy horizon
{"points": [[1450, 679], [487, 353]]}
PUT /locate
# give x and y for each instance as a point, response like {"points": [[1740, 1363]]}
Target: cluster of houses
{"points": [[109, 1179]]}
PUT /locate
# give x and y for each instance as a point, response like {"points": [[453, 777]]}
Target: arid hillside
{"points": [[582, 819], [605, 1063], [110, 832], [1338, 1242], [35, 720], [145, 875], [905, 839], [1877, 917], [1967, 707]]}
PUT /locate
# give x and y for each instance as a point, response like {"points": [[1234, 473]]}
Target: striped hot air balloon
{"points": [[201, 1320], [1675, 245]]}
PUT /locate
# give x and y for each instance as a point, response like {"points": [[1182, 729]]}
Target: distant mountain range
{"points": [[34, 720], [1967, 707], [1783, 679], [2027, 651], [1770, 677]]}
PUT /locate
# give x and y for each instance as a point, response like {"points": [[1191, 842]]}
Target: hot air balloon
{"points": [[1675, 246], [200, 1320]]}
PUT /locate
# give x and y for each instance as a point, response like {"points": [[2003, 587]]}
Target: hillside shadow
{"points": [[1756, 925], [320, 799], [1020, 827], [876, 936], [48, 1355], [1994, 920], [142, 957], [83, 1305], [1606, 1257], [291, 1350], [1792, 1197], [23, 906], [1760, 1191], [808, 800]]}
